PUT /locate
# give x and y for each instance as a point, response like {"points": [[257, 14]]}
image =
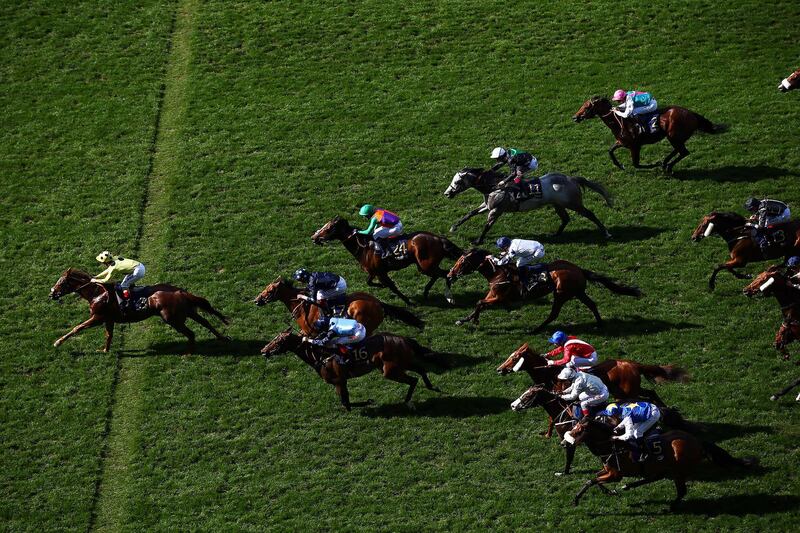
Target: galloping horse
{"points": [[677, 125], [361, 306], [568, 282], [174, 305], [425, 250], [682, 452], [622, 377], [790, 82], [393, 355], [772, 282], [743, 249], [561, 191]]}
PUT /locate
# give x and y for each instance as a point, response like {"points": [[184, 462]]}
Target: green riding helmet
{"points": [[367, 210]]}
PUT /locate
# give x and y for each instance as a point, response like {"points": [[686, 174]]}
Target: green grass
{"points": [[277, 117]]}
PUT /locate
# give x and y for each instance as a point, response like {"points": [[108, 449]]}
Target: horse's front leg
{"points": [[558, 303], [109, 335], [785, 390], [480, 306], [613, 157], [91, 322], [477, 211], [494, 214]]}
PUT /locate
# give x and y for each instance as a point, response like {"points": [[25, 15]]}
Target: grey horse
{"points": [[558, 190]]}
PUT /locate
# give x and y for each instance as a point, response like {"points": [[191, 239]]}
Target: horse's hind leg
{"points": [[588, 302], [197, 317], [414, 367], [395, 373], [591, 216], [181, 327], [680, 488], [558, 303], [494, 214], [564, 216], [683, 152]]}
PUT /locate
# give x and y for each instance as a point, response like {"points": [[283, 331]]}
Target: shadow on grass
{"points": [[717, 432], [735, 173], [593, 236], [741, 505], [637, 325], [443, 406], [451, 361], [464, 300], [207, 348]]}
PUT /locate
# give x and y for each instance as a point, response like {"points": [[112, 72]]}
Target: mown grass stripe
{"points": [[110, 504]]}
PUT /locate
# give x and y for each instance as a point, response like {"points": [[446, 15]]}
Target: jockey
{"points": [[133, 271], [523, 252], [383, 224], [339, 333], [325, 289], [589, 390], [519, 162], [581, 353], [633, 103], [636, 419], [766, 213]]}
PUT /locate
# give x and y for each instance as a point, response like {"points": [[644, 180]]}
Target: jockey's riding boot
{"points": [[639, 450], [378, 247]]}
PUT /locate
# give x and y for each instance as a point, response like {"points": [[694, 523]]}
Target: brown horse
{"points": [[568, 282], [391, 354], [622, 377], [773, 282], [172, 304], [682, 453], [741, 245], [360, 306], [425, 250], [677, 124], [791, 82]]}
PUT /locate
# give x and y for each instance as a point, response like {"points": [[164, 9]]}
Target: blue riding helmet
{"points": [[302, 275], [752, 204], [503, 243], [793, 261], [559, 337], [321, 324]]}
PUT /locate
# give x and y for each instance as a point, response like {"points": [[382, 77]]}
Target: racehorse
{"points": [[391, 354], [567, 281], [772, 282], [676, 124], [561, 191], [172, 304], [425, 250], [741, 245], [790, 82], [622, 377], [682, 452], [360, 306]]}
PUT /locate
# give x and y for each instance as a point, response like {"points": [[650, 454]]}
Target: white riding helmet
{"points": [[498, 153], [104, 257], [568, 373]]}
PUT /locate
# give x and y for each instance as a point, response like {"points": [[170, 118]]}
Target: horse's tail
{"points": [[203, 304], [596, 187], [662, 373], [403, 315], [722, 458], [706, 126], [450, 249], [425, 353], [611, 285]]}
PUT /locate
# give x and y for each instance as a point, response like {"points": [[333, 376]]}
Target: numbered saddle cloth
{"points": [[397, 248], [649, 121]]}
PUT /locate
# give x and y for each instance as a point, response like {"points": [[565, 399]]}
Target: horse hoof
{"points": [[450, 300], [559, 474], [102, 350], [609, 236], [773, 398], [410, 405], [574, 503], [370, 401], [453, 229], [56, 344], [458, 323]]}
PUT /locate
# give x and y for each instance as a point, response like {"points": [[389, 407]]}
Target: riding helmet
{"points": [[619, 95], [503, 243], [752, 204], [301, 274], [367, 210], [793, 261], [559, 337], [568, 373], [498, 152], [105, 257]]}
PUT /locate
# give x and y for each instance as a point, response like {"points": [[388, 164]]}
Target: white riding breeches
{"points": [[649, 108], [592, 400], [129, 279], [584, 363], [357, 337], [383, 232], [338, 290], [639, 429]]}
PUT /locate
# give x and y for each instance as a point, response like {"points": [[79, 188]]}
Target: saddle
{"points": [[773, 240], [527, 189], [137, 300], [395, 249], [536, 276], [649, 121]]}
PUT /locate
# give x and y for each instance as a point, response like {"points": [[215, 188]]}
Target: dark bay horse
{"points": [[683, 452], [172, 304], [558, 190], [773, 282], [392, 355], [791, 82], [568, 282], [741, 245], [361, 306], [622, 377], [425, 250], [676, 124]]}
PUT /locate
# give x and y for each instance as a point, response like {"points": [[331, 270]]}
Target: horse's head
{"points": [[791, 82], [336, 229], [70, 281], [280, 344], [463, 180], [765, 282], [530, 398], [273, 291], [596, 106], [716, 222], [523, 358], [468, 263]]}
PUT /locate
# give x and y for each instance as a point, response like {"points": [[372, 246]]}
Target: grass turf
{"points": [[291, 115]]}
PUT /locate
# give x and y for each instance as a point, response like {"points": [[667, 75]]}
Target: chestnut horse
{"points": [[172, 304], [622, 377], [743, 249], [773, 282], [391, 354], [425, 250], [568, 282], [360, 306], [791, 82], [683, 452], [676, 124]]}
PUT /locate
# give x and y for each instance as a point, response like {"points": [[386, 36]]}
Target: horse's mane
{"points": [[727, 214], [597, 98], [77, 273]]}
